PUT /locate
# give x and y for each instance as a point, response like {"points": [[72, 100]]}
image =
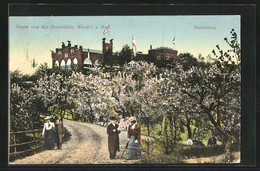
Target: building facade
{"points": [[65, 56], [162, 53], [69, 55]]}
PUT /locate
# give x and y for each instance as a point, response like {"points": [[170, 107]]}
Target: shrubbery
{"points": [[207, 151], [161, 159], [156, 154]]}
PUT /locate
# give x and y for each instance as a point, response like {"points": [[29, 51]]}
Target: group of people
{"points": [[133, 147], [53, 132]]}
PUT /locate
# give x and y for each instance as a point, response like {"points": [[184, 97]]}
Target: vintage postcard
{"points": [[125, 90]]}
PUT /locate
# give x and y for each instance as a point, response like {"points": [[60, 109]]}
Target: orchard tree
{"points": [[214, 87], [186, 60], [125, 55], [91, 94], [55, 90], [82, 94], [168, 100], [25, 108]]}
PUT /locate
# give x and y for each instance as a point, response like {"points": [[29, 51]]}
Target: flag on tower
{"points": [[89, 58], [134, 46], [173, 41], [107, 29]]}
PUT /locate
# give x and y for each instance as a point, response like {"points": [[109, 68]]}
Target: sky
{"points": [[34, 38]]}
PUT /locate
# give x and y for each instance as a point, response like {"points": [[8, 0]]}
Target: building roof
{"points": [[162, 48], [92, 50]]}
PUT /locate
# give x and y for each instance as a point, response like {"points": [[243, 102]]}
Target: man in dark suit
{"points": [[113, 137]]}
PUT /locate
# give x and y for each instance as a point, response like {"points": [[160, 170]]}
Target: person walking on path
{"points": [[133, 150], [49, 133], [113, 137], [59, 132]]}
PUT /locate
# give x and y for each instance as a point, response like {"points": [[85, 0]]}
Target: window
{"points": [[66, 55], [167, 57], [71, 50], [59, 52]]}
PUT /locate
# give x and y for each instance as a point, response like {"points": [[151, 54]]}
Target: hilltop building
{"points": [[66, 55], [161, 53]]}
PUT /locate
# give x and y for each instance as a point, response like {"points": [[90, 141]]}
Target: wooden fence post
{"points": [[34, 141]]}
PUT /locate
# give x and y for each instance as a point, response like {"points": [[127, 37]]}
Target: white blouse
{"points": [[47, 126]]}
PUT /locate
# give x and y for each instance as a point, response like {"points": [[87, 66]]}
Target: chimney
{"points": [[151, 47], [76, 46], [111, 45], [103, 45], [69, 43], [63, 45], [80, 47]]}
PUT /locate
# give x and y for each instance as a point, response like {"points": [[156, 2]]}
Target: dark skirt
{"points": [[50, 136], [133, 150]]}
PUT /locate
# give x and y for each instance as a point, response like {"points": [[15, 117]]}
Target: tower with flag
{"points": [[173, 42], [134, 46]]}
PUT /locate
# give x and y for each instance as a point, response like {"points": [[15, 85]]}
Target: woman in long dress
{"points": [[49, 133], [133, 150]]}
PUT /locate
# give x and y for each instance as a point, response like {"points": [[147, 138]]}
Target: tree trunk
{"points": [[64, 112], [175, 131], [165, 135], [148, 145], [171, 122], [166, 138], [188, 126], [189, 132], [72, 115], [91, 113], [228, 137], [228, 148]]}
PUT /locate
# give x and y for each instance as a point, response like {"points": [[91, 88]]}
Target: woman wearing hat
{"points": [[49, 133], [113, 137], [133, 150]]}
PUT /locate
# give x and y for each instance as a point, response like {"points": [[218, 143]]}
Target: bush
{"points": [[161, 159], [155, 147], [157, 154], [207, 151]]}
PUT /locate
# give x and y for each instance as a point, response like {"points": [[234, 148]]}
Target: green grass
{"points": [[156, 129]]}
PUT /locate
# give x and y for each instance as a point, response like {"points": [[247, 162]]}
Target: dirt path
{"points": [[88, 145]]}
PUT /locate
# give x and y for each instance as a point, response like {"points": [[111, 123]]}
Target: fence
{"points": [[35, 141], [73, 116]]}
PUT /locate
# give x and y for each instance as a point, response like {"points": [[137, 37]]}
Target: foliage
{"points": [[207, 151], [124, 56], [203, 97], [216, 91], [25, 109], [161, 159]]}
